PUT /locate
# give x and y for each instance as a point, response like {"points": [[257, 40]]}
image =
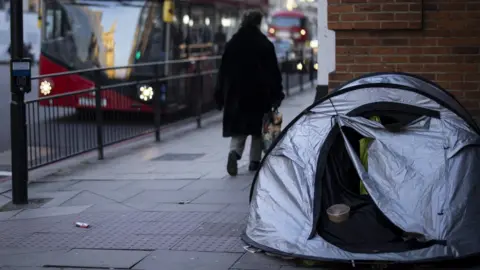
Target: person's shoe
{"points": [[232, 165], [254, 166]]}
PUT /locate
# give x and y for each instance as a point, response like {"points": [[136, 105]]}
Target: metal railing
{"points": [[60, 126]]}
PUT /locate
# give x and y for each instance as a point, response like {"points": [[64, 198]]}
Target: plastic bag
{"points": [[272, 126]]}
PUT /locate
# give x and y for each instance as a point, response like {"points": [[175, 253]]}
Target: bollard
{"points": [[285, 68], [99, 113], [18, 127], [199, 94], [157, 101], [301, 72]]}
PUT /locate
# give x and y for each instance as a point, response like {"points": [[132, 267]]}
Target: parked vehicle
{"points": [[292, 25]]}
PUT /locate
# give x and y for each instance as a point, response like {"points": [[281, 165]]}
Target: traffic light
{"points": [[137, 55]]}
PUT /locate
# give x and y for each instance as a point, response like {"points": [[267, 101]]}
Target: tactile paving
{"points": [[228, 217], [26, 226], [210, 244], [6, 241], [48, 240], [219, 229], [158, 227], [137, 217], [188, 217], [119, 241]]}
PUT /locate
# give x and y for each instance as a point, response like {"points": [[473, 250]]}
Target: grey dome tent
{"points": [[422, 177]]}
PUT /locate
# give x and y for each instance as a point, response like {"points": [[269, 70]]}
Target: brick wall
{"points": [[437, 39]]}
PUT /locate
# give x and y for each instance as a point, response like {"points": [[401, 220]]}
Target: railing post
{"points": [[18, 126], [286, 68], [199, 94], [300, 78], [99, 113], [157, 107]]}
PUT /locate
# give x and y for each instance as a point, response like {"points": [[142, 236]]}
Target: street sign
{"points": [[168, 11]]}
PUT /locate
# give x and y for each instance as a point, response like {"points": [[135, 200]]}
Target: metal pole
{"points": [[18, 126], [167, 48]]}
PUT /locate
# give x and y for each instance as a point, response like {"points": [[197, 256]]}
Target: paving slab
{"points": [[142, 206], [110, 207], [8, 214], [49, 186], [57, 197], [160, 196], [187, 260], [210, 244], [312, 268], [43, 268], [87, 198], [237, 208], [4, 200], [98, 258], [159, 175], [96, 185], [50, 212], [159, 184], [216, 196], [121, 194], [260, 261], [217, 184]]}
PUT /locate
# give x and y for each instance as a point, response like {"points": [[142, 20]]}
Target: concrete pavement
{"points": [[165, 206]]}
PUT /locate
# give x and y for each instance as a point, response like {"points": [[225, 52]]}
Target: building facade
{"points": [[437, 39]]}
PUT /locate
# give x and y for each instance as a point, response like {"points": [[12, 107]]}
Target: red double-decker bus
{"points": [[293, 25], [83, 34]]}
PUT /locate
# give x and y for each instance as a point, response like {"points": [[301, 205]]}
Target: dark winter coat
{"points": [[249, 82]]}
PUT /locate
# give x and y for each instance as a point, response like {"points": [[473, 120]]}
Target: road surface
{"points": [[54, 132]]}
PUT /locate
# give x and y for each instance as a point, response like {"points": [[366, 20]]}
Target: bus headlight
{"points": [[299, 66], [45, 87], [145, 92]]}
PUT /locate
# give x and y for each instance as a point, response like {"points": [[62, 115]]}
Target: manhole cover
{"points": [[32, 204], [179, 157]]}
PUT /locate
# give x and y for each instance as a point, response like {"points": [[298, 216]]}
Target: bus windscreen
{"points": [[281, 21]]}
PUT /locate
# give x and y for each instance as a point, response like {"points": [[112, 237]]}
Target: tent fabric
{"points": [[422, 178], [364, 144], [423, 86]]}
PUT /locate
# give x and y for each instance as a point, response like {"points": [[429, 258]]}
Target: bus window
{"points": [[54, 22], [49, 25], [58, 23], [281, 21]]}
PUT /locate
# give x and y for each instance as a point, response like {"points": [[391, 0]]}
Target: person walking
{"points": [[249, 85], [220, 39]]}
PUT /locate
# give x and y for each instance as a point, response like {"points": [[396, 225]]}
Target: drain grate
{"points": [[32, 204], [179, 157]]}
